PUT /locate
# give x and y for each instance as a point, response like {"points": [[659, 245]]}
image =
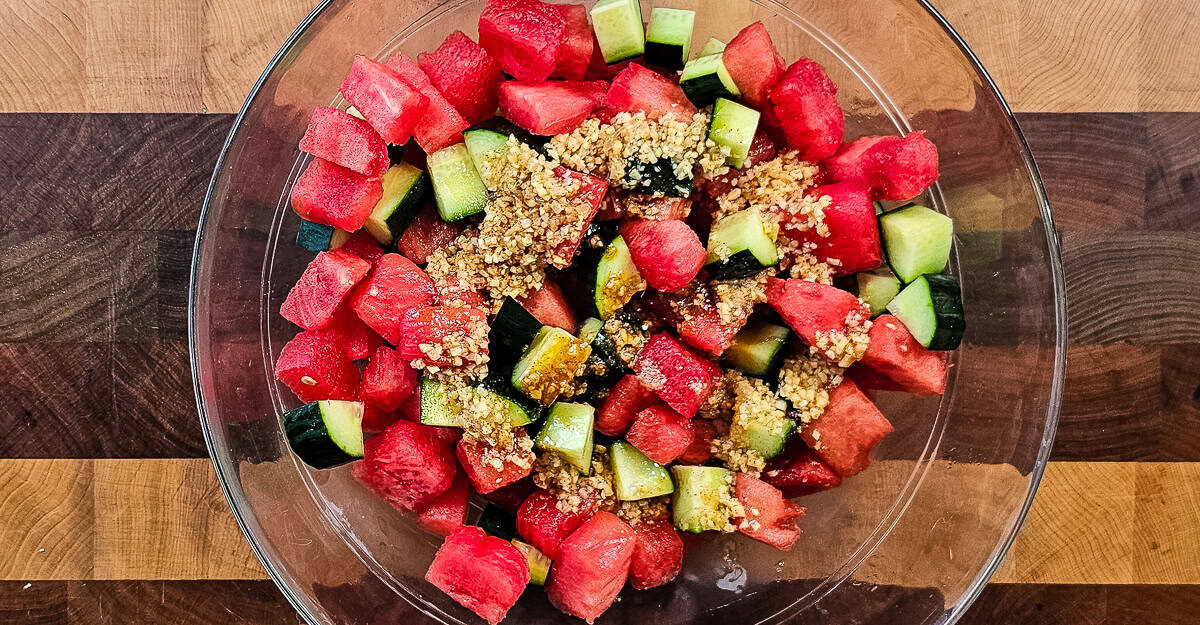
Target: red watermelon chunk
{"points": [[660, 433], [543, 525], [701, 327], [700, 451], [316, 368], [448, 511], [407, 465], [657, 553], [364, 246], [845, 434], [376, 420], [626, 398], [426, 234], [510, 497], [805, 101], [769, 517], [455, 292], [809, 307], [394, 286], [475, 459], [442, 125], [549, 306], [319, 292], [351, 334], [575, 51], [753, 63], [853, 242], [523, 36], [637, 89], [799, 471], [422, 325], [545, 107], [592, 190], [595, 90], [676, 374], [335, 196], [388, 380], [897, 357], [592, 567], [392, 106], [895, 168], [483, 573], [667, 253], [465, 74], [346, 141]]}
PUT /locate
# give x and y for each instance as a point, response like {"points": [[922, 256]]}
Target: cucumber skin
{"points": [[741, 265], [946, 296], [664, 55], [658, 178], [309, 440], [512, 331]]}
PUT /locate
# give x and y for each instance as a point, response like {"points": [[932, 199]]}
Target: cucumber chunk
{"points": [[877, 288], [314, 237], [325, 433], [931, 308], [917, 240], [539, 564], [701, 496], [617, 279], [438, 410], [481, 142], [549, 364], [457, 187], [758, 349], [618, 27], [705, 79], [656, 178], [669, 37], [739, 246], [712, 46], [568, 432], [766, 440], [733, 126], [635, 476], [512, 331], [404, 191], [604, 366]]}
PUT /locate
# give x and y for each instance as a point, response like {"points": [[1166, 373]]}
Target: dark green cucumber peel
{"points": [[313, 236], [669, 37], [657, 178], [322, 433], [742, 264], [496, 522], [405, 190], [931, 308], [512, 331], [759, 349]]}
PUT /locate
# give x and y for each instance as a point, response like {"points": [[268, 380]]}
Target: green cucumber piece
{"points": [[733, 126], [917, 240], [712, 46], [766, 440], [539, 563], [508, 129], [618, 27], [549, 364], [325, 433], [512, 331], [705, 79], [931, 308], [521, 410], [314, 237], [568, 432], [877, 288], [457, 187], [605, 367], [616, 280], [436, 409], [758, 349], [744, 231], [701, 494], [481, 142], [656, 178], [635, 476], [404, 191], [669, 37], [496, 522]]}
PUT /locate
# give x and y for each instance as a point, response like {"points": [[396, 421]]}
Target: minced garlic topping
{"points": [[635, 512], [483, 415], [847, 347], [805, 381], [459, 353], [573, 490], [629, 331], [776, 187], [754, 404]]}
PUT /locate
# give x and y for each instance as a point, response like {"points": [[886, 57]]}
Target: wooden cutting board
{"points": [[112, 115]]}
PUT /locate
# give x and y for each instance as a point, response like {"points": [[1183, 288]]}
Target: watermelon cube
{"points": [[388, 380], [376, 420], [848, 430], [575, 51], [799, 471], [394, 286], [544, 107], [485, 477], [327, 280], [426, 234], [592, 566], [425, 325], [448, 511], [769, 517], [898, 358], [347, 141], [676, 374], [625, 400], [407, 465], [637, 89], [853, 243], [351, 334], [660, 433], [657, 553], [592, 190], [483, 573], [544, 526], [704, 432], [702, 326], [391, 105], [453, 291], [364, 246], [442, 125], [667, 253], [753, 63], [595, 90], [509, 498], [805, 102], [895, 168], [316, 368], [549, 306], [809, 307], [335, 196], [465, 74], [523, 36]]}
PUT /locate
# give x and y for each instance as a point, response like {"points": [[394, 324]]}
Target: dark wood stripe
{"points": [[33, 603], [178, 603], [1036, 604]]}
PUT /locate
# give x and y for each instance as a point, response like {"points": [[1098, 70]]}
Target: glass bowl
{"points": [[910, 541]]}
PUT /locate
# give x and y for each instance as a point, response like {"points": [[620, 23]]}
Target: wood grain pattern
{"points": [[177, 603], [48, 520], [1052, 604], [26, 603]]}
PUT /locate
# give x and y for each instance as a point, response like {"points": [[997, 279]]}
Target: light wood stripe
{"points": [[168, 56], [1092, 523]]}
